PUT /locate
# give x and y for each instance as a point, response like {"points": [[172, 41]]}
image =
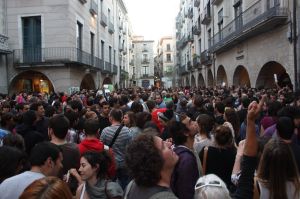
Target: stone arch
{"points": [[88, 82], [241, 77], [221, 76], [201, 82], [266, 79], [107, 80], [193, 81], [31, 81], [210, 78]]}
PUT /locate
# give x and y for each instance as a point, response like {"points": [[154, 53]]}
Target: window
{"points": [[220, 23], [114, 56], [146, 70], [200, 43], [79, 35], [168, 57], [102, 50], [109, 54], [101, 6], [168, 47], [209, 38], [32, 38], [238, 16], [92, 43], [108, 11]]}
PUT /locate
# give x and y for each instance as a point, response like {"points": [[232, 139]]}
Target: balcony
{"points": [[190, 38], [123, 74], [38, 57], [196, 30], [107, 68], [103, 20], [115, 69], [189, 65], [145, 61], [145, 76], [125, 52], [131, 63], [190, 13], [205, 58], [196, 3], [216, 2], [111, 28], [196, 61], [182, 70], [206, 16], [82, 1], [4, 45], [121, 48], [145, 50], [183, 41], [254, 21], [94, 8]]}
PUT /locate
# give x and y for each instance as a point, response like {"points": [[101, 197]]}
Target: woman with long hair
{"points": [[233, 122], [277, 174], [93, 170], [203, 138], [129, 120]]}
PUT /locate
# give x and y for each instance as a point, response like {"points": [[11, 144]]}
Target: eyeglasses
{"points": [[214, 183]]}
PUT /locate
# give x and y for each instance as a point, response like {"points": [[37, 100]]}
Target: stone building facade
{"points": [[235, 42], [61, 45]]}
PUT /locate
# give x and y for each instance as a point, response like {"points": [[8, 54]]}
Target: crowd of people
{"points": [[135, 143]]}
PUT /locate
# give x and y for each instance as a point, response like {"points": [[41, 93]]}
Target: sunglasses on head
{"points": [[214, 183]]}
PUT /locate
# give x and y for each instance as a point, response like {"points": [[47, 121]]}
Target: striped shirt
{"points": [[119, 147]]}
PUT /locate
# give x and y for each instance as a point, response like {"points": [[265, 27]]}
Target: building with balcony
{"points": [[142, 71], [58, 45], [241, 43], [166, 57], [4, 49]]}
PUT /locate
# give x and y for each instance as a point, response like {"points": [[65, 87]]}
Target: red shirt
{"points": [[155, 118]]}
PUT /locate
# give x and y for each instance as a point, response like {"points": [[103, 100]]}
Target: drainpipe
{"points": [[295, 45]]}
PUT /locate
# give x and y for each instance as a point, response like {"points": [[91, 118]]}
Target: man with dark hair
{"points": [[159, 101], [46, 160], [118, 144], [183, 135], [242, 113], [150, 161], [92, 143], [58, 129], [103, 117], [41, 124]]}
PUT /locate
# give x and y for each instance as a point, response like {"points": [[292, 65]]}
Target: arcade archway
{"points": [[221, 76], [210, 78], [268, 73], [88, 82], [241, 77], [31, 81], [201, 82], [193, 81]]}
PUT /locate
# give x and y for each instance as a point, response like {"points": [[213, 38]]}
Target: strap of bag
{"points": [[128, 189], [204, 160], [105, 189], [82, 191], [115, 136]]}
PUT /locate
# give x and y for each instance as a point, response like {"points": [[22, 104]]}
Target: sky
{"points": [[152, 19]]}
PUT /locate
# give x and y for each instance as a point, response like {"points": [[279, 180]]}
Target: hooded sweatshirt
{"points": [[96, 145]]}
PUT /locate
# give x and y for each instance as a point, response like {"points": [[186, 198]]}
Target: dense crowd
{"points": [[153, 143]]}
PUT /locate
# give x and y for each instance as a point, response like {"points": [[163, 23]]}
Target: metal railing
{"points": [[196, 30], [190, 13], [182, 70], [107, 67], [111, 28], [196, 61], [58, 55], [115, 69], [245, 25], [205, 58], [196, 3], [206, 16], [94, 7], [103, 20], [145, 61]]}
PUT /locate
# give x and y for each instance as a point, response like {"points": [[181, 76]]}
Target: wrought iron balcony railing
{"points": [[196, 3], [205, 58], [190, 13], [206, 16], [145, 61], [111, 28], [103, 20], [196, 61], [94, 8], [253, 21], [115, 69], [54, 56], [196, 30]]}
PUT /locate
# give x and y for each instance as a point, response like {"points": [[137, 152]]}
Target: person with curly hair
{"points": [[150, 162]]}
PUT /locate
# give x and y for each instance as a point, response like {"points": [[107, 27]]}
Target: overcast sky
{"points": [[152, 19]]}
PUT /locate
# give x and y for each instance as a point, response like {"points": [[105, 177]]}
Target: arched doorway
{"points": [[221, 76], [241, 77], [88, 82], [201, 82], [107, 80], [31, 81], [266, 77], [193, 81], [187, 81], [210, 78]]}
